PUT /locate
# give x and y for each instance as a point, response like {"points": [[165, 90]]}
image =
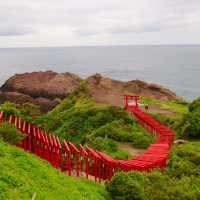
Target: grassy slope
{"points": [[179, 107], [170, 113], [179, 181], [22, 174], [81, 120]]}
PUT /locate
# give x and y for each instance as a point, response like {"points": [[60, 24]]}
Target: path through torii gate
{"points": [[86, 161], [131, 100]]}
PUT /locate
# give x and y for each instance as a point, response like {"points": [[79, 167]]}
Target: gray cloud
{"points": [[98, 21], [135, 29], [13, 30]]}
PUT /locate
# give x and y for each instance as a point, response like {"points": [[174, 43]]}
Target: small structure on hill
{"points": [[131, 100]]}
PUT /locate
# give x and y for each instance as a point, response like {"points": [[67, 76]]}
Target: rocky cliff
{"points": [[41, 88], [106, 90], [47, 89]]}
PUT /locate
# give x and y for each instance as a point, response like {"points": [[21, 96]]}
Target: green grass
{"points": [[23, 174], [81, 120], [180, 107], [179, 181]]}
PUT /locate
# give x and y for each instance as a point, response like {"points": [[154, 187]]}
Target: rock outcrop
{"points": [[47, 89], [40, 88], [47, 84], [106, 90]]}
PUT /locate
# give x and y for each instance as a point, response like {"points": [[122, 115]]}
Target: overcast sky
{"points": [[98, 22]]}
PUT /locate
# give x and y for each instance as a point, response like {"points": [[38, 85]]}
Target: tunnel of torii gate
{"points": [[79, 160], [131, 100]]}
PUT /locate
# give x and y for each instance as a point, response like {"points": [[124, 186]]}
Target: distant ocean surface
{"points": [[176, 67]]}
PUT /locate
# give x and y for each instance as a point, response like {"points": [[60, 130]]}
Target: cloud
{"points": [[135, 29], [80, 22], [15, 30]]}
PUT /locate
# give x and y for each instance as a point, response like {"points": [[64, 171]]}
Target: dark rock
{"points": [[15, 97], [40, 88], [42, 84]]}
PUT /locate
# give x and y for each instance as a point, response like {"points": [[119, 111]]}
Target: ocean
{"points": [[175, 67]]}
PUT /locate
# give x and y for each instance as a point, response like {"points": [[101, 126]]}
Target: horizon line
{"points": [[114, 45]]}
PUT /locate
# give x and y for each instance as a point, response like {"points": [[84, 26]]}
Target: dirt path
{"points": [[128, 147]]}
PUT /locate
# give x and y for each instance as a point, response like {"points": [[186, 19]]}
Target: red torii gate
{"points": [[135, 98], [69, 157]]}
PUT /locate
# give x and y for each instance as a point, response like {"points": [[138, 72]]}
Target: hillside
{"points": [[48, 88], [82, 118], [179, 181], [23, 174]]}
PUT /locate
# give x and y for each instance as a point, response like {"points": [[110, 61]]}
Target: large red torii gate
{"points": [[134, 98]]}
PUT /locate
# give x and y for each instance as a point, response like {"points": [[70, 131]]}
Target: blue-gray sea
{"points": [[176, 67]]}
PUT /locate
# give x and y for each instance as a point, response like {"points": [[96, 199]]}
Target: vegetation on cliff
{"points": [[9, 133], [185, 120], [180, 180], [47, 89], [190, 125], [81, 120], [22, 175]]}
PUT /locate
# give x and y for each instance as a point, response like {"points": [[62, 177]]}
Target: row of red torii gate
{"points": [[85, 161]]}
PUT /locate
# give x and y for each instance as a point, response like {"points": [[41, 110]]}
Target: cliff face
{"points": [[46, 89], [41, 88], [48, 84], [106, 90]]}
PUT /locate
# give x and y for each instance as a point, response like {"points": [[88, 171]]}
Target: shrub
{"points": [[79, 118], [194, 105], [26, 111], [142, 141], [9, 108], [9, 133], [29, 111], [126, 187], [121, 155], [191, 121], [180, 180], [192, 124], [117, 130], [103, 144]]}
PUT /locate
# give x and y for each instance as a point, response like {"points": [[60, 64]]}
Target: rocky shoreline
{"points": [[48, 88]]}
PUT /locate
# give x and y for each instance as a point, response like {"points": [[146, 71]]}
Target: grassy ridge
{"points": [[81, 120], [179, 107], [22, 175]]}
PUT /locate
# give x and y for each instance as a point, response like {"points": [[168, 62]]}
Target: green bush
{"points": [[79, 118], [9, 133], [179, 181], [26, 111], [194, 105], [168, 121], [117, 130], [126, 187], [190, 126], [121, 155], [100, 143], [108, 146], [29, 111], [142, 141], [9, 109]]}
